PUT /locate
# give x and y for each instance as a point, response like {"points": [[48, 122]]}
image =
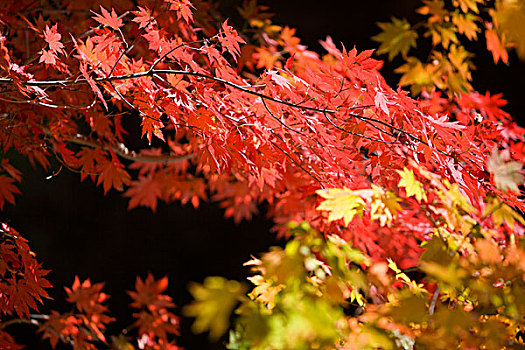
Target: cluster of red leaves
{"points": [[22, 279], [86, 324], [84, 327], [154, 321], [225, 128]]}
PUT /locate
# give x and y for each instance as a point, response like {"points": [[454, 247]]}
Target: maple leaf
{"points": [[7, 190], [112, 174], [11, 170], [416, 74], [183, 9], [396, 38], [154, 319], [153, 38], [495, 45], [48, 57], [509, 17], [88, 298], [467, 5], [443, 127], [341, 204], [507, 174], [20, 299], [145, 192], [381, 101], [88, 161], [230, 40], [213, 304], [58, 325], [151, 126], [466, 25], [411, 185], [143, 17], [52, 37], [108, 19], [148, 293]]}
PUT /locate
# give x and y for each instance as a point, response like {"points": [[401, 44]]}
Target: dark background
{"points": [[76, 230]]}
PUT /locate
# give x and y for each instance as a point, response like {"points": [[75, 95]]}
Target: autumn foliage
{"points": [[364, 179]]}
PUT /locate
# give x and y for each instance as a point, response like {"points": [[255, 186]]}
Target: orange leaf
{"points": [[495, 46]]}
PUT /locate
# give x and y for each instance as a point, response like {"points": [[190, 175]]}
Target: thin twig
{"points": [[432, 306]]}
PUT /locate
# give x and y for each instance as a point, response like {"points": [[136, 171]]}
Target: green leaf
{"points": [[396, 38]]}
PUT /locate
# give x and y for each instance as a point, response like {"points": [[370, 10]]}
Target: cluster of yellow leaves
{"points": [[452, 213], [298, 298], [449, 64], [471, 296]]}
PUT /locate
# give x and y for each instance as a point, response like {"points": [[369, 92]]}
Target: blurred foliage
{"points": [[318, 292], [450, 25]]}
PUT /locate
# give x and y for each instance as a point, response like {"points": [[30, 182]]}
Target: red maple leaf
{"points": [[148, 293], [112, 174], [48, 57], [52, 37], [153, 38], [108, 19], [183, 9], [145, 192], [11, 170], [88, 298], [89, 160], [230, 40], [143, 17], [7, 190]]}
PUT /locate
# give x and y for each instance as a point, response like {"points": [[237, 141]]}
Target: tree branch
{"points": [[122, 151], [151, 72]]}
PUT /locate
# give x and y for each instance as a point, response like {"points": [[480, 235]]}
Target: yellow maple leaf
{"points": [[466, 24], [396, 37], [416, 74], [411, 185], [213, 303], [342, 203]]}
